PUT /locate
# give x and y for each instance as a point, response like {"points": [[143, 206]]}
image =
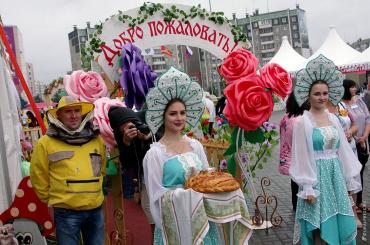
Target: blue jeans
{"points": [[71, 223]]}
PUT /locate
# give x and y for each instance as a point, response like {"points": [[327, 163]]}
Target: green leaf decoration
{"points": [[232, 148], [255, 136], [231, 166]]}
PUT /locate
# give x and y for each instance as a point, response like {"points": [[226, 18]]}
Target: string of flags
{"points": [[166, 51]]}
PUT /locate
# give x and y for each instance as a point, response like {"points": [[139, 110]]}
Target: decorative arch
{"points": [[152, 25]]}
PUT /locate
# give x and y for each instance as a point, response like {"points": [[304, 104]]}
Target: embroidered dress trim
{"points": [[326, 154]]}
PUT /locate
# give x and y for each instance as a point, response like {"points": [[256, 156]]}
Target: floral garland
{"points": [[149, 9]]}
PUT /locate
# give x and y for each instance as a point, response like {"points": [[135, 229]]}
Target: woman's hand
{"points": [[362, 141], [348, 135], [311, 199]]}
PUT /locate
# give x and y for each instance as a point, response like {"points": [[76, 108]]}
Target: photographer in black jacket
{"points": [[133, 139]]}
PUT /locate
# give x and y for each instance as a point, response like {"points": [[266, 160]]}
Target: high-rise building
{"points": [[16, 42], [160, 61], [199, 64], [30, 77], [77, 40], [39, 89], [265, 32], [361, 44], [36, 87]]}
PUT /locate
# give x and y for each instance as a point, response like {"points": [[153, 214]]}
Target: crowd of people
{"points": [[324, 147]]}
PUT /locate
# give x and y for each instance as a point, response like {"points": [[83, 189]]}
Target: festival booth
{"points": [[335, 49], [290, 60], [347, 59], [358, 68], [287, 57]]}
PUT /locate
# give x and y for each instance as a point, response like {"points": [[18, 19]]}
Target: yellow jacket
{"points": [[68, 176]]}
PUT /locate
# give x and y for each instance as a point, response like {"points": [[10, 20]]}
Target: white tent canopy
{"points": [[364, 57], [335, 49], [360, 63], [287, 57]]}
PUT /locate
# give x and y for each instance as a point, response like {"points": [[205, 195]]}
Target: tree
{"points": [[58, 95]]}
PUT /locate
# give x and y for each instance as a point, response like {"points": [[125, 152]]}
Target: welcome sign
{"points": [[199, 31]]}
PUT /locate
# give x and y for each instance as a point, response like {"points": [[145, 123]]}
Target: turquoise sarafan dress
{"points": [[332, 212], [175, 170]]}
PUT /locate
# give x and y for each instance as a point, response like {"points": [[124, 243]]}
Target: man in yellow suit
{"points": [[67, 169]]}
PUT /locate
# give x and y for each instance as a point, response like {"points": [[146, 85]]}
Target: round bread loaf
{"points": [[210, 182]]}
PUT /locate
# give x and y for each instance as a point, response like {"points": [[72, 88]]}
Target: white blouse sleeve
{"points": [[350, 164], [199, 150], [153, 176], [303, 168], [202, 155]]}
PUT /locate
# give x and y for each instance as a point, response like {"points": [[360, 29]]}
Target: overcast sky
{"points": [[45, 24]]}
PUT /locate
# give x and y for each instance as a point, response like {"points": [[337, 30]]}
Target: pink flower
{"points": [[248, 105], [86, 86], [101, 119], [238, 64], [273, 76]]}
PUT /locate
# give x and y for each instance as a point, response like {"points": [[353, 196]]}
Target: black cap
{"points": [[120, 115]]}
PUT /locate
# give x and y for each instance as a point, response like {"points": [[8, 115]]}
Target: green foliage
{"points": [[256, 136], [58, 95], [254, 148], [276, 98], [85, 60], [231, 165]]}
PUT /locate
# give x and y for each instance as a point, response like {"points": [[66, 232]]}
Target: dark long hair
{"points": [[33, 119], [293, 109], [161, 128], [171, 102], [347, 84]]}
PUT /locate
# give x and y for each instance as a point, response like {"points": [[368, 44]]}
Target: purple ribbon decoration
{"points": [[136, 78]]}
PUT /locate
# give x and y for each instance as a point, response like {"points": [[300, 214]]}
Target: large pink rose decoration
{"points": [[276, 78], [101, 119], [86, 86], [248, 105], [238, 64]]}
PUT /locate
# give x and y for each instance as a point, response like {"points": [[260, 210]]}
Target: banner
{"points": [[199, 32]]}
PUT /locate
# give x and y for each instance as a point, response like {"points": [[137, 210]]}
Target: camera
{"points": [[142, 127]]}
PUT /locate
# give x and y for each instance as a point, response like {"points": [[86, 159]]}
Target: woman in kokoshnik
{"points": [[180, 215], [323, 163]]}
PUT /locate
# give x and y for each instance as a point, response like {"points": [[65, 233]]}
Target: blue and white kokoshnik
{"points": [[173, 84], [319, 69]]}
